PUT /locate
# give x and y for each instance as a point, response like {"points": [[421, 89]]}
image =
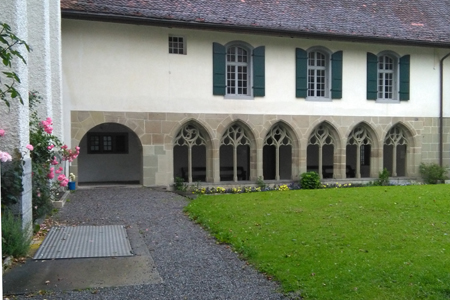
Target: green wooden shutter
{"points": [[404, 78], [219, 69], [336, 75], [301, 73], [372, 74], [259, 72]]}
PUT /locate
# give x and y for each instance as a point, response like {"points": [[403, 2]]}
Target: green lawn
{"points": [[353, 243]]}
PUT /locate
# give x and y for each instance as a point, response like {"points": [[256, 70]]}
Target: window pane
{"points": [[176, 45], [121, 144], [94, 143], [107, 143], [231, 54], [237, 71]]}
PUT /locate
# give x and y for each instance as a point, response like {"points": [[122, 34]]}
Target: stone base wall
{"points": [[157, 132]]}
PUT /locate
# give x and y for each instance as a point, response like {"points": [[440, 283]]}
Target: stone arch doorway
{"points": [[110, 153], [359, 152], [277, 153], [321, 151], [396, 150], [191, 154], [236, 147]]}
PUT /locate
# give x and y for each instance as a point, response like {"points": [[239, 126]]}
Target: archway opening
{"points": [[277, 154], [320, 152], [235, 154], [189, 154], [395, 151], [358, 153], [110, 153]]}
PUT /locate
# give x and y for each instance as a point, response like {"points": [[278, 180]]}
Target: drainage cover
{"points": [[85, 241]]}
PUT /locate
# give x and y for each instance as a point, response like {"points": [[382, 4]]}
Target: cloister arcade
{"points": [[280, 153]]}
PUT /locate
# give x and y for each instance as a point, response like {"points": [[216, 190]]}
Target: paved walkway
{"points": [[179, 259]]}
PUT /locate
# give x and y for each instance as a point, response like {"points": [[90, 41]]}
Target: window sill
{"points": [[238, 97], [319, 99], [387, 101]]}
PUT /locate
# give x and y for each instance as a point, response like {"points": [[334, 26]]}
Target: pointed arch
{"points": [[192, 153], [361, 145], [237, 153], [278, 152], [397, 153], [323, 143]]}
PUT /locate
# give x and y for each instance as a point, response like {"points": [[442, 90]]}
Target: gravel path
{"points": [[189, 261]]}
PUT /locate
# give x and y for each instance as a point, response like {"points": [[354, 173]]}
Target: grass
{"points": [[356, 243]]}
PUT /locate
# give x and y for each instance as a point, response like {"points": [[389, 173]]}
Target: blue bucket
{"points": [[72, 185]]}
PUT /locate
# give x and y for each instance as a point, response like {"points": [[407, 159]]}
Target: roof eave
{"points": [[71, 14]]}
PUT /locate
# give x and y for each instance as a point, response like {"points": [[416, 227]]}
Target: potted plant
{"points": [[72, 183]]}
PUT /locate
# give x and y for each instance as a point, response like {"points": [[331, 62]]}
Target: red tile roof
{"points": [[425, 22]]}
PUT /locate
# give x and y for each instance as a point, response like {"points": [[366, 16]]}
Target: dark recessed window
{"points": [[107, 143], [177, 45]]}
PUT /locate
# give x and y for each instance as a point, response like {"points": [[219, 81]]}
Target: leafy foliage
{"points": [[179, 184], [383, 178], [9, 43], [432, 173], [43, 190], [11, 179], [310, 180], [15, 241], [260, 183]]}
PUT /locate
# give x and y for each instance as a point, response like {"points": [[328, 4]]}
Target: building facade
{"points": [[153, 98]]}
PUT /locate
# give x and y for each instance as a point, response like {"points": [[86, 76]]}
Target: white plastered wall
{"points": [[117, 67]]}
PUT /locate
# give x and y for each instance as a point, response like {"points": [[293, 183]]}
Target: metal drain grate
{"points": [[85, 241]]}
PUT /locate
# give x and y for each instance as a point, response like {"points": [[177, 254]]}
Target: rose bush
{"points": [[49, 157]]}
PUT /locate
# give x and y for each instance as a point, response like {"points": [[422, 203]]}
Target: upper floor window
{"points": [[387, 77], [238, 70], [177, 45], [387, 71], [318, 74]]}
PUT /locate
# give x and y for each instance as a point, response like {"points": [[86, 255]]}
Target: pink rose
{"points": [[4, 156], [2, 132], [54, 161], [48, 129], [30, 147]]}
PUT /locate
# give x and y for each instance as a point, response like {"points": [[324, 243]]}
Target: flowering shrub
{"points": [[283, 187], [48, 156], [4, 156], [11, 177]]}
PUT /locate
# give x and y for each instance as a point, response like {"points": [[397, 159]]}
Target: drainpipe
{"points": [[441, 108]]}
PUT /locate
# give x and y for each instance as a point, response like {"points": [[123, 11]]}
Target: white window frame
{"points": [[383, 72], [171, 48], [236, 64], [327, 68]]}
